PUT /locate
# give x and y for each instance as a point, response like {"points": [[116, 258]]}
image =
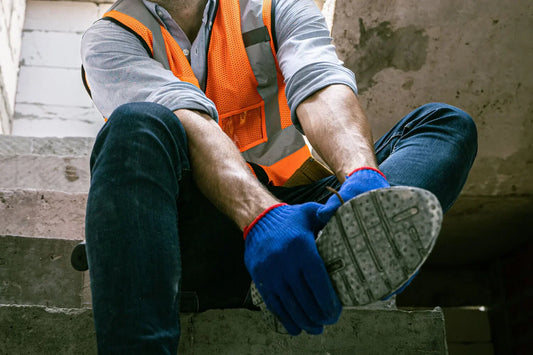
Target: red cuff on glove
{"points": [[367, 168], [251, 225]]}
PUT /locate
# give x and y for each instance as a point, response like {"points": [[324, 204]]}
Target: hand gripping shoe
{"points": [[374, 244]]}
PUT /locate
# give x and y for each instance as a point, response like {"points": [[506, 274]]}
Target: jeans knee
{"points": [[144, 115], [469, 128], [131, 120], [459, 123], [142, 128], [466, 129]]}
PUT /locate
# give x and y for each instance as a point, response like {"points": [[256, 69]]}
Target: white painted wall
{"points": [[51, 99], [11, 20]]}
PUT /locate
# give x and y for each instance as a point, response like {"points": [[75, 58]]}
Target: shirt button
{"points": [[159, 13], [186, 51]]}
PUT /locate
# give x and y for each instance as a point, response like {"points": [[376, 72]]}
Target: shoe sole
{"points": [[374, 244], [377, 241]]}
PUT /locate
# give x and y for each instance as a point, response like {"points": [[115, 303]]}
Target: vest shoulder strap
{"points": [[133, 16], [255, 36], [273, 24]]}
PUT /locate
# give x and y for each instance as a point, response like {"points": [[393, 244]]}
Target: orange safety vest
{"points": [[244, 80]]}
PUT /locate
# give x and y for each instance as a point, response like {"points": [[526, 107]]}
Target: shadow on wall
{"points": [[382, 47]]}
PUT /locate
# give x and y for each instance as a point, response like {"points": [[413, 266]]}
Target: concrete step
{"points": [[44, 330], [37, 271], [59, 164], [38, 230], [41, 213]]}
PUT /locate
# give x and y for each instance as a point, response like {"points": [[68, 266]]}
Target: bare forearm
{"points": [[338, 129], [220, 172]]}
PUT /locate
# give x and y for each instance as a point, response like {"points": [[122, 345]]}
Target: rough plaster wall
{"points": [[472, 54], [51, 100], [11, 21]]}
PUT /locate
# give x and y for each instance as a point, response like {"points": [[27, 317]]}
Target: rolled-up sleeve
{"points": [[306, 55], [119, 70]]}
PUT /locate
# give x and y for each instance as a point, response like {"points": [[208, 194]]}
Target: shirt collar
{"points": [[162, 14]]}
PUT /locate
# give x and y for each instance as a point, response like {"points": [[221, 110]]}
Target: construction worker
{"points": [[206, 102]]}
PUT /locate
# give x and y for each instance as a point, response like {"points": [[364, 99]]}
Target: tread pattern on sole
{"points": [[374, 244]]}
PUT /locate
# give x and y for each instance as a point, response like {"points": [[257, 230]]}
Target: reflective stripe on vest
{"points": [[244, 80]]}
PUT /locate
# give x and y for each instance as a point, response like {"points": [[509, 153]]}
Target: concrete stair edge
{"points": [[56, 146], [234, 331]]}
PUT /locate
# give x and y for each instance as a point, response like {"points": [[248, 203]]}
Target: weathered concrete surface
{"points": [[38, 271], [47, 214], [45, 173], [45, 164], [68, 146], [475, 55], [472, 54], [41, 330]]}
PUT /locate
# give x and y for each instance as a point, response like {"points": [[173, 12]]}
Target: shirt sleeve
{"points": [[306, 55], [119, 71]]}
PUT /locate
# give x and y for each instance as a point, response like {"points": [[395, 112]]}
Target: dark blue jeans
{"points": [[156, 244]]}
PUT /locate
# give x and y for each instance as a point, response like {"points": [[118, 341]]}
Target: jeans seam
{"points": [[386, 143], [393, 149]]}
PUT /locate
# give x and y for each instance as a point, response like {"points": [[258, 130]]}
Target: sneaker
{"points": [[374, 245]]}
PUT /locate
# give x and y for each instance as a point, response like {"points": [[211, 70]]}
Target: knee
{"points": [[144, 115], [143, 120], [135, 129], [460, 125]]}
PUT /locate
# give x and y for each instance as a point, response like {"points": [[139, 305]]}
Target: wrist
{"points": [[367, 168], [249, 227]]}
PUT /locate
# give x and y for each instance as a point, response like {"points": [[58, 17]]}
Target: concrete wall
{"points": [[51, 100], [11, 20], [472, 54]]}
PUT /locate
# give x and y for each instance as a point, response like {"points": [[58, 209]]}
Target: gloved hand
{"points": [[359, 181], [282, 258]]}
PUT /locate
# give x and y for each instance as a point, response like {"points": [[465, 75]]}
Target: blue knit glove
{"points": [[282, 258], [359, 181]]}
